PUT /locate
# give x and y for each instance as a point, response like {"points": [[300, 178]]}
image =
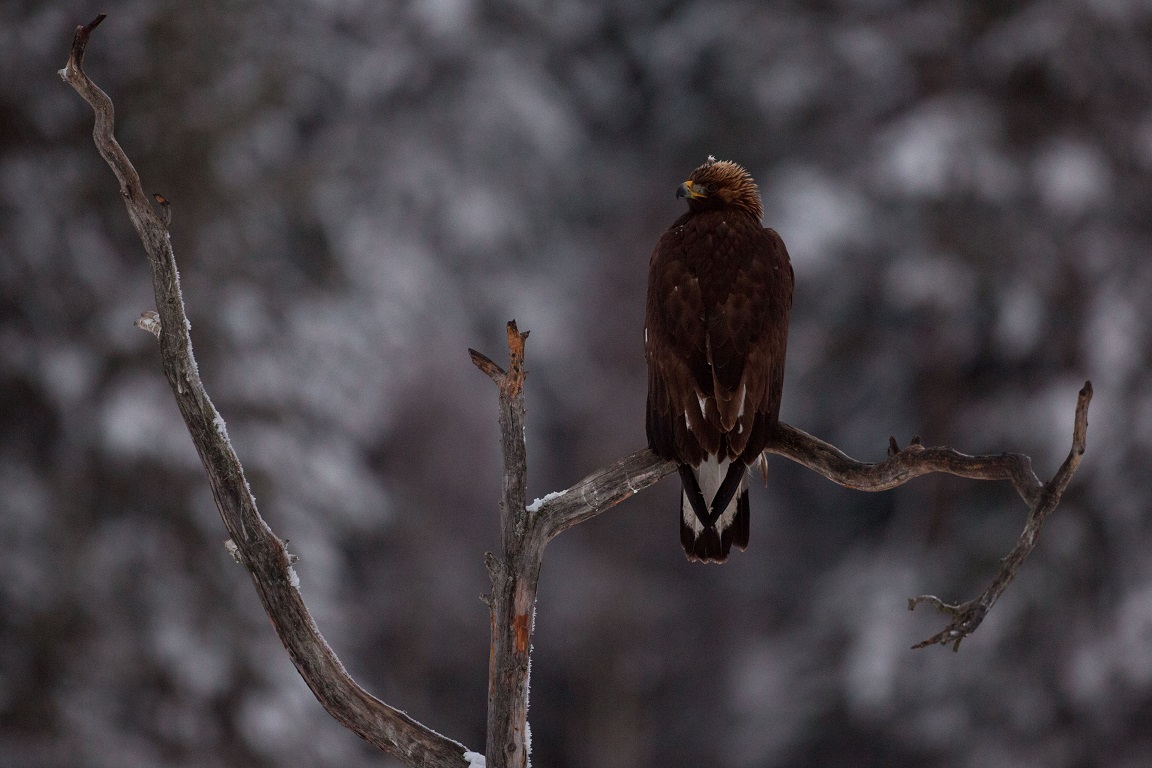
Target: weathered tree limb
{"points": [[967, 616], [515, 573], [525, 532], [915, 460], [514, 576], [611, 485], [254, 543]]}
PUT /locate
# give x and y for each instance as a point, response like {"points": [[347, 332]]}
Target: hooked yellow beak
{"points": [[689, 191]]}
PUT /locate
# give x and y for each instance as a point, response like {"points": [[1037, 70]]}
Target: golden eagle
{"points": [[715, 332]]}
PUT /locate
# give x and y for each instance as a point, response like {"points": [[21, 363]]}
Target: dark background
{"points": [[363, 190]]}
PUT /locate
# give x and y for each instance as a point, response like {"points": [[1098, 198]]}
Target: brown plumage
{"points": [[715, 333]]}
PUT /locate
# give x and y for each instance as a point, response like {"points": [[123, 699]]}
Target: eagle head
{"points": [[719, 184]]}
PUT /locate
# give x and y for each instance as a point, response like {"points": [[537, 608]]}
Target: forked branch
{"points": [[915, 460], [514, 576], [514, 573], [609, 486]]}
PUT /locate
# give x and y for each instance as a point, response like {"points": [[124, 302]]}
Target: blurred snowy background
{"points": [[362, 190]]}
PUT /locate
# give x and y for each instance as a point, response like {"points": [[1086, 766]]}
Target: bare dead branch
{"points": [[902, 465], [256, 546], [514, 574], [485, 364], [606, 487], [527, 531], [602, 490], [967, 616]]}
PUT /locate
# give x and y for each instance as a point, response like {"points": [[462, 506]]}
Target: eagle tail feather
{"points": [[733, 479], [708, 530], [694, 502], [740, 523]]}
